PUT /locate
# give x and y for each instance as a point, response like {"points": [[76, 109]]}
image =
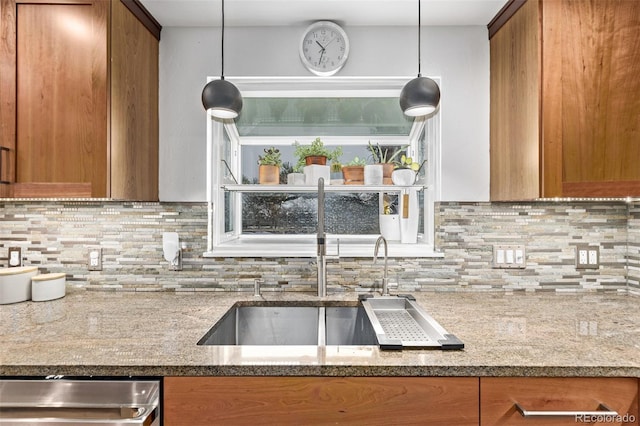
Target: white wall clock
{"points": [[324, 48]]}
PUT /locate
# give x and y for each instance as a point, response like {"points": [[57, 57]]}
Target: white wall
{"points": [[459, 55]]}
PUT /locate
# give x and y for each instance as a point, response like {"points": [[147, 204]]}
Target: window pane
{"points": [[350, 214], [229, 211], [322, 117]]}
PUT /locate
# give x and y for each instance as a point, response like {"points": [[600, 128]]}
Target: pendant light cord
{"points": [[222, 49], [419, 26]]}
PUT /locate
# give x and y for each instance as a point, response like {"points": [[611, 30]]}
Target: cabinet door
{"points": [[572, 396], [134, 107], [61, 98], [515, 107], [591, 107], [320, 400]]}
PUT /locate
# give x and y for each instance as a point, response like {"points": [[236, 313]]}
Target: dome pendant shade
{"points": [[419, 97], [222, 98]]}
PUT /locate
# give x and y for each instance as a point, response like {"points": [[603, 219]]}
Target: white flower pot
{"points": [[295, 179], [403, 177], [373, 174], [314, 172]]}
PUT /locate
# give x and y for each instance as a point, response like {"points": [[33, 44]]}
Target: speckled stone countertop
{"points": [[155, 334]]}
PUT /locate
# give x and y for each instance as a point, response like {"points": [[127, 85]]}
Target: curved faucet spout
{"points": [[385, 277]]}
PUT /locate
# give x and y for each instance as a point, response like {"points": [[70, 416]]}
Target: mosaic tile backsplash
{"points": [[57, 236]]}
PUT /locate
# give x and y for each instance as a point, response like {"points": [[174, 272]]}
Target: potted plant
{"points": [[353, 171], [386, 156], [405, 171], [270, 162], [336, 173], [316, 153]]}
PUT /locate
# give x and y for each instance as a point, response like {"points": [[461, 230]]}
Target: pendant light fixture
{"points": [[421, 95], [220, 96]]}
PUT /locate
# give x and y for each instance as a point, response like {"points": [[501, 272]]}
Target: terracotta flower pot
{"points": [[269, 175], [353, 175], [387, 169], [316, 159]]}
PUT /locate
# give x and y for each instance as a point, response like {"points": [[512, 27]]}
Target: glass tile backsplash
{"points": [[56, 236]]}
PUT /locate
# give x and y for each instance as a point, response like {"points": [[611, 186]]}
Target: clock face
{"points": [[324, 48]]}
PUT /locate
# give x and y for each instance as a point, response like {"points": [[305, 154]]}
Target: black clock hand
{"points": [[321, 46]]}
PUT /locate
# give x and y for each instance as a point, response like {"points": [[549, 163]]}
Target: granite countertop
{"points": [[155, 334]]}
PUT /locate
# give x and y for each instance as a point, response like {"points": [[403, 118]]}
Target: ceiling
{"points": [[196, 13]]}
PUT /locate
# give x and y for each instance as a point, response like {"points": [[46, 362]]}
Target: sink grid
{"points": [[400, 325]]}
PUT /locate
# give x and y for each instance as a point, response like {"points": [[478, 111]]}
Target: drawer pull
{"points": [[602, 410]]}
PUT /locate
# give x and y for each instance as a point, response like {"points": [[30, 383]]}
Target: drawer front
{"points": [[321, 401], [558, 401]]}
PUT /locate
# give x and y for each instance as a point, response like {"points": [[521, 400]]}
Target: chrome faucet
{"points": [[385, 277], [321, 243]]}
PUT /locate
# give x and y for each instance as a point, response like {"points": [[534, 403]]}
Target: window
{"points": [[248, 219]]}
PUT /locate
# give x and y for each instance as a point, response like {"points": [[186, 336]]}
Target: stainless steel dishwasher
{"points": [[64, 401]]}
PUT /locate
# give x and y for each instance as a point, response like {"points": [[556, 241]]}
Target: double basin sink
{"points": [[390, 322]]}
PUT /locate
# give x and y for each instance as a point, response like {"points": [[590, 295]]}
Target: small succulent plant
{"points": [[407, 163], [271, 157], [386, 154], [357, 161]]}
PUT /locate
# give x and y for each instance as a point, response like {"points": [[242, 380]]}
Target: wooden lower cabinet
{"points": [[321, 400], [499, 396]]}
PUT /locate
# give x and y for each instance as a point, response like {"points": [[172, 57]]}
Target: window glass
{"points": [[322, 116], [281, 213]]}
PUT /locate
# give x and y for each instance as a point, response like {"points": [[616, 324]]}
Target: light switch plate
{"points": [[509, 256], [95, 259], [15, 257]]}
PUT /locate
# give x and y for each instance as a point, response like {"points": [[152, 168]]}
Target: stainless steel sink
{"points": [[266, 323]]}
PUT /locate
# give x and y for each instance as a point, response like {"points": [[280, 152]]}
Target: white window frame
{"points": [[234, 244]]}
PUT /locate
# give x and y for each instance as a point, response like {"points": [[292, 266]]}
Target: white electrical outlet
{"points": [[15, 257], [95, 259], [582, 257], [587, 257]]}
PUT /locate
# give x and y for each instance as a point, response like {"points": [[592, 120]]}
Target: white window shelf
{"points": [[305, 246], [314, 188]]}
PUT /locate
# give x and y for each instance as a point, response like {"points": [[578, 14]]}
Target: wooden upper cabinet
{"points": [[565, 100], [79, 100], [61, 133]]}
